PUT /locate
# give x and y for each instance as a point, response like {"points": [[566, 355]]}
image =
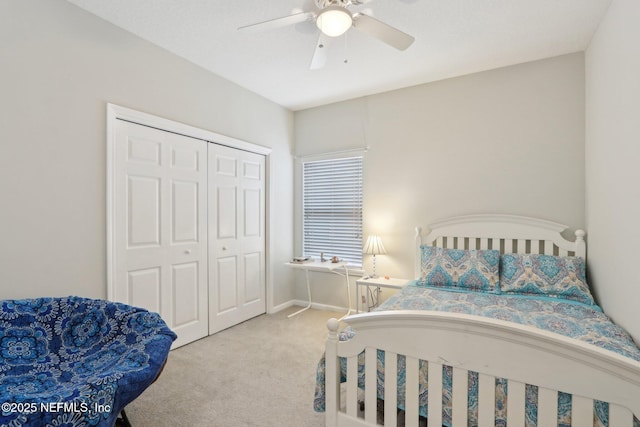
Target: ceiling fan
{"points": [[334, 18]]}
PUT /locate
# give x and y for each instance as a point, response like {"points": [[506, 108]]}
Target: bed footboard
{"points": [[427, 341]]}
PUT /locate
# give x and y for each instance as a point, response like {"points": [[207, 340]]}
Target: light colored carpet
{"points": [[258, 373]]}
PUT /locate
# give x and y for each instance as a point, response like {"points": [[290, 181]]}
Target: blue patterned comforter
{"points": [[76, 361], [569, 318]]}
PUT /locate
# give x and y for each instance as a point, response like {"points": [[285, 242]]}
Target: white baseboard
{"points": [[282, 306], [301, 303]]}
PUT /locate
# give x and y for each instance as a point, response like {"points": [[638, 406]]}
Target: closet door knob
{"points": [[188, 251], [224, 248]]}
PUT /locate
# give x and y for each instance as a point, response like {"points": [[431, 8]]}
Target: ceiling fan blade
{"points": [[320, 53], [296, 18], [381, 31]]}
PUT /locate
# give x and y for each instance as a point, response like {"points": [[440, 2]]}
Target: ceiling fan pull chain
{"points": [[346, 52]]}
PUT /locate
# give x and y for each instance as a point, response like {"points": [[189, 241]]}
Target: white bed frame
{"points": [[493, 348]]}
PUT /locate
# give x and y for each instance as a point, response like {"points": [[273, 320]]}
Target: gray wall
{"points": [[510, 140], [59, 67], [612, 156]]}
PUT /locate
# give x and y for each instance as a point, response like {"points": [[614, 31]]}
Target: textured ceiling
{"points": [[453, 37]]}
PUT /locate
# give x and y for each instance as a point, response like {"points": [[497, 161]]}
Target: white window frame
{"points": [[356, 267]]}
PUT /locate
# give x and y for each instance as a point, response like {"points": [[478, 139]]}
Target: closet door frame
{"points": [[117, 112]]}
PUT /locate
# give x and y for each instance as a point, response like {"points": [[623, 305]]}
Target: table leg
{"points": [[306, 275], [346, 275], [367, 299]]}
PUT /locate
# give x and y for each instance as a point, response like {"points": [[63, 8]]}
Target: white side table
{"points": [[378, 282], [339, 268]]}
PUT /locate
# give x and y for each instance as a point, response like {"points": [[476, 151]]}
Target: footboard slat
{"points": [[413, 384], [390, 388], [515, 404], [459, 397], [434, 400], [332, 377], [352, 386], [486, 400], [370, 385], [619, 416], [581, 411], [547, 407]]}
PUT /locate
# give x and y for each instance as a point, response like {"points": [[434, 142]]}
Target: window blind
{"points": [[332, 209]]}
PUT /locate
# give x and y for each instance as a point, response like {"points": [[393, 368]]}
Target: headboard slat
{"points": [[548, 247], [463, 243], [484, 243], [509, 246], [473, 243], [535, 247]]}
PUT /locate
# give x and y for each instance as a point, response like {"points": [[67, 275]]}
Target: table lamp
{"points": [[374, 246]]}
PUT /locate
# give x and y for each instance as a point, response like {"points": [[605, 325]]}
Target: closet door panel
{"points": [[253, 286], [252, 216], [185, 293], [144, 288], [227, 295], [237, 208], [185, 212], [143, 220], [160, 227], [227, 208]]}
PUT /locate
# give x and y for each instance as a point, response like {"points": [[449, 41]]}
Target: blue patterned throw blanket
{"points": [[574, 319], [76, 361]]}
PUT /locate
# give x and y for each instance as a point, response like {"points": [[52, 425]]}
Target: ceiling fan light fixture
{"points": [[334, 21]]}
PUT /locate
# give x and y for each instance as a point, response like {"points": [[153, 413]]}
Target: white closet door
{"points": [[236, 236], [160, 232]]}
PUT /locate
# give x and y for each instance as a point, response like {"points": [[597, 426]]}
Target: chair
{"points": [[76, 361]]}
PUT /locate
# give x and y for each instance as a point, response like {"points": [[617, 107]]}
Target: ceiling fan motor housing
{"points": [[342, 3]]}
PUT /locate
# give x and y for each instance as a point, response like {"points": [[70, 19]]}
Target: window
{"points": [[332, 209]]}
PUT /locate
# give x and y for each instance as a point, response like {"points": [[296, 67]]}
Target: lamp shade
{"points": [[374, 246], [334, 21]]}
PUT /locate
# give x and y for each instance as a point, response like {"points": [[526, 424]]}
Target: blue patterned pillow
{"points": [[558, 277], [474, 269]]}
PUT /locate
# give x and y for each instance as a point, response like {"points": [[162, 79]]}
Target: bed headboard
{"points": [[507, 233]]}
